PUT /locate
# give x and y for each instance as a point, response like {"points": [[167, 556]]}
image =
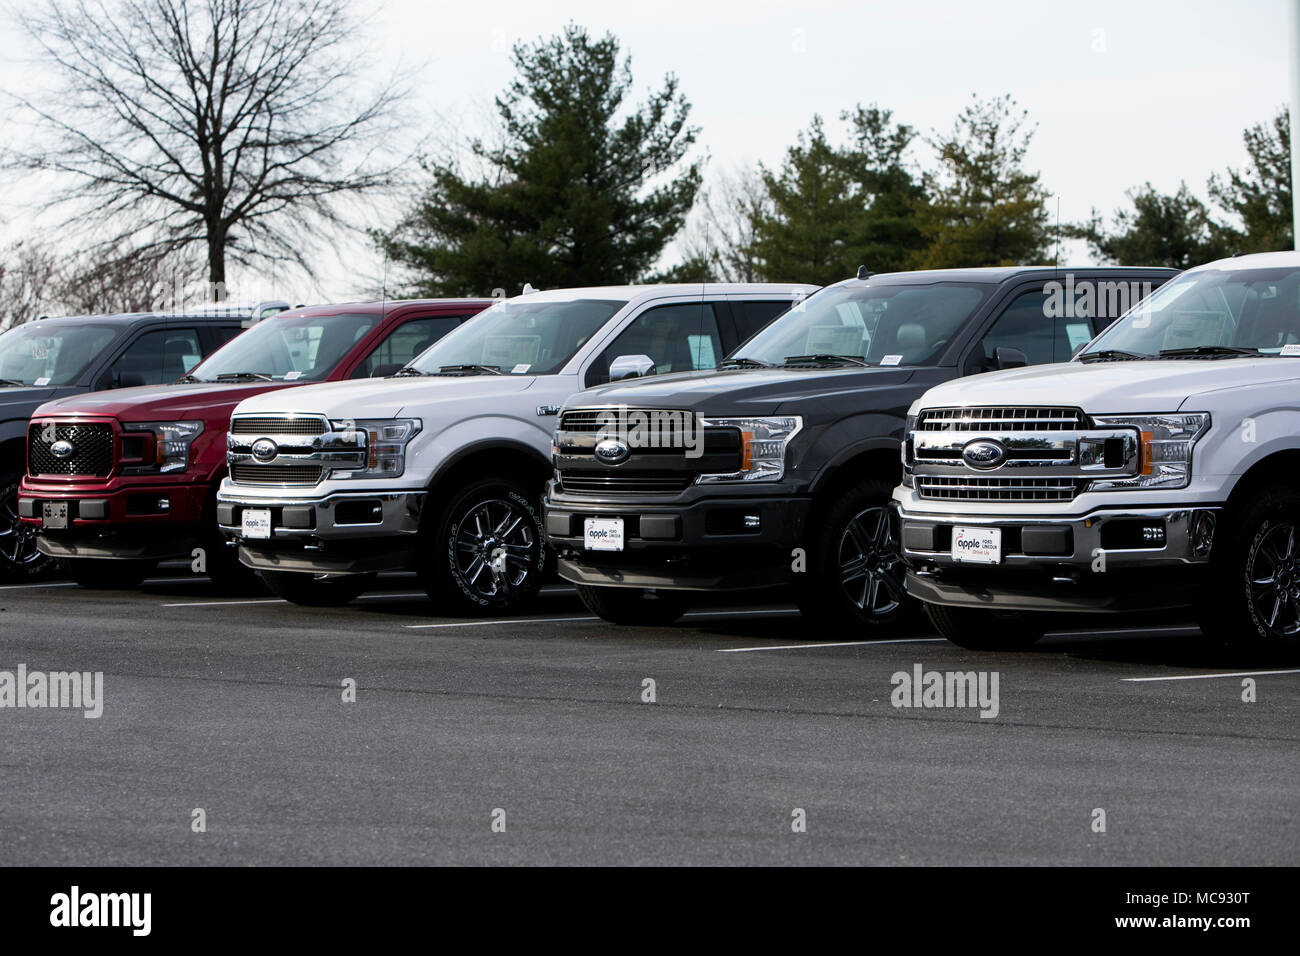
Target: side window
{"points": [[219, 335], [677, 338], [752, 317], [1026, 324], [157, 357], [406, 342]]}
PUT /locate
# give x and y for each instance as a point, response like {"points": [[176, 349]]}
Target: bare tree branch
{"points": [[231, 126]]}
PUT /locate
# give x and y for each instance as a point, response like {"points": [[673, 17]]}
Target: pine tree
{"points": [[582, 191]]}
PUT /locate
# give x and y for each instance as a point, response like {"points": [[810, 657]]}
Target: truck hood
{"points": [[17, 402], [1099, 388], [744, 391], [160, 402], [386, 397]]}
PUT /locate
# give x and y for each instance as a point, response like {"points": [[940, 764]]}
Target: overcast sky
{"points": [[1122, 92]]}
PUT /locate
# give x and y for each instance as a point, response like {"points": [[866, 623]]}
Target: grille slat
{"points": [[92, 453], [665, 484], [1002, 419], [277, 425], [252, 474], [996, 489], [587, 421]]}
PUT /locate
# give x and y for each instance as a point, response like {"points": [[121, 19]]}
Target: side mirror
{"points": [[1005, 357], [630, 366], [127, 379], [383, 371]]}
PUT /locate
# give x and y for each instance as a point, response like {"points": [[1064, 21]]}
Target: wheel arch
{"points": [[1277, 468]]}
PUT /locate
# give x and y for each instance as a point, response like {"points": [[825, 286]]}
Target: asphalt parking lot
{"points": [[529, 740]]}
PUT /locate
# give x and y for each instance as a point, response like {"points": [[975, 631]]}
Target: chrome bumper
{"points": [[306, 519], [1076, 542]]}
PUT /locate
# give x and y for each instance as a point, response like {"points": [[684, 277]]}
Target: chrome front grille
{"points": [[997, 489], [291, 450], [278, 425], [1015, 453], [1000, 419], [255, 474]]}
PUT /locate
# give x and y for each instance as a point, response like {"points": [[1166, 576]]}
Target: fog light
{"points": [[1153, 534], [751, 521], [164, 504], [1203, 533]]}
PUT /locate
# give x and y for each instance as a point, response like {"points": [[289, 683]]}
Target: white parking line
{"points": [[1143, 680], [737, 613], [517, 620], [19, 587], [225, 603], [797, 647]]}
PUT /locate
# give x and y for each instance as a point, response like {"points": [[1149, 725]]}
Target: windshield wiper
{"points": [[1111, 355], [10, 381], [244, 377], [741, 362], [189, 378], [408, 371], [1210, 350], [822, 357], [470, 370]]}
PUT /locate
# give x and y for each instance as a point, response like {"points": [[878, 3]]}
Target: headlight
{"points": [[909, 426], [170, 450], [384, 441], [1165, 449], [763, 442]]}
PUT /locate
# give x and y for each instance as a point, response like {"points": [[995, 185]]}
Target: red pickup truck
{"points": [[118, 481]]}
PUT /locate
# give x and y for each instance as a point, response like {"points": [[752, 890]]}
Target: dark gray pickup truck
{"points": [[53, 358], [777, 468]]}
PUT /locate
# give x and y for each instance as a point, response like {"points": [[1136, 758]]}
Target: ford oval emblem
{"points": [[265, 450], [62, 449], [612, 451], [984, 454]]}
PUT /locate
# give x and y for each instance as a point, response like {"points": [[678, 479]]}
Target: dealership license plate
{"points": [[255, 522], [603, 534], [54, 514], [977, 545]]}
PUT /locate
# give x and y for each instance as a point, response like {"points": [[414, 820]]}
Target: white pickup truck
{"points": [[1158, 468], [440, 469]]}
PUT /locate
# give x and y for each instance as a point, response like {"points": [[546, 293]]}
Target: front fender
{"points": [[453, 444]]}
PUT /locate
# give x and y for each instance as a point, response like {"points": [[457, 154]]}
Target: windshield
{"points": [[1219, 311], [47, 353], [520, 337], [876, 324], [288, 348]]}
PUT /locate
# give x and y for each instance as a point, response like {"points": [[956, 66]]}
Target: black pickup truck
{"points": [[778, 467]]}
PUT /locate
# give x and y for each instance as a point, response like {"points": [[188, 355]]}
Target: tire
{"points": [[977, 629], [309, 590], [106, 574], [485, 552], [19, 558], [854, 577], [1253, 603], [634, 606]]}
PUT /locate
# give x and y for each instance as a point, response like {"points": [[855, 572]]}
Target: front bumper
{"points": [[345, 533], [1120, 559], [126, 522], [709, 543]]}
